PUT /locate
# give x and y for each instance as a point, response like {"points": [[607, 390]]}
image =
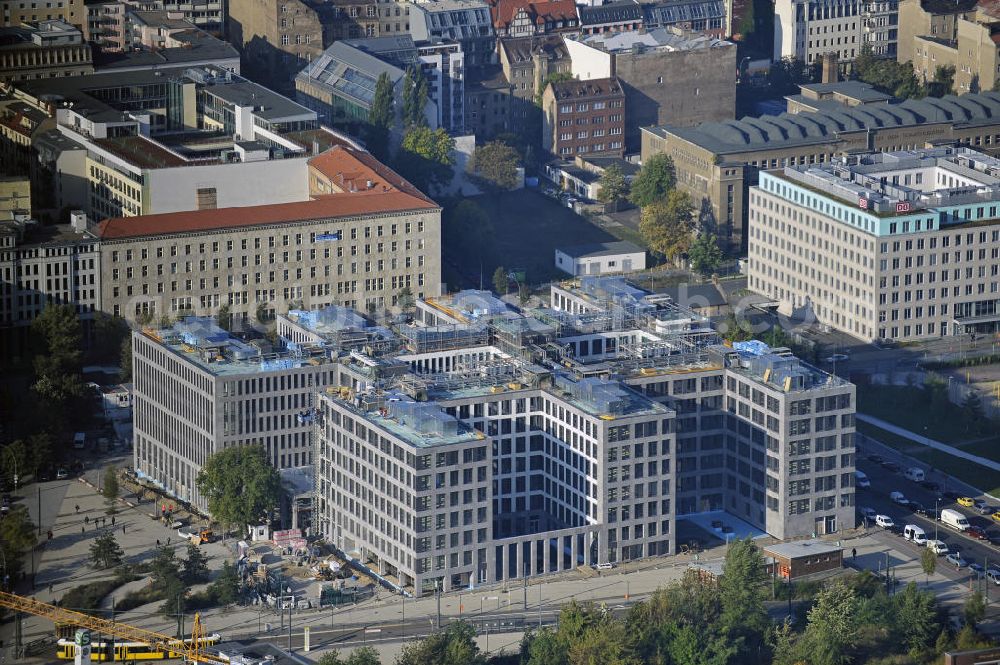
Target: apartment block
{"points": [[491, 446], [371, 235], [965, 41], [899, 245], [927, 18], [584, 118], [14, 13], [668, 75], [717, 162], [527, 18]]}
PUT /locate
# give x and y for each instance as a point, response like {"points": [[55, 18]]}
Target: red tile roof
{"points": [[389, 193], [504, 11]]}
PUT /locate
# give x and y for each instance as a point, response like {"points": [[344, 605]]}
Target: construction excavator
{"points": [[191, 650]]}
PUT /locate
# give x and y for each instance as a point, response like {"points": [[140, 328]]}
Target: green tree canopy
{"points": [[225, 588], [194, 569], [832, 629], [667, 226], [17, 537], [426, 157], [240, 485], [500, 281], [381, 117], [105, 552], [655, 180], [453, 646], [58, 359], [494, 166], [110, 488], [916, 618], [125, 359], [415, 93], [974, 609], [705, 255], [613, 184], [742, 591]]}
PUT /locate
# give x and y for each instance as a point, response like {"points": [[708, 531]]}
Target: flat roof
{"points": [[854, 89], [601, 249], [801, 548]]}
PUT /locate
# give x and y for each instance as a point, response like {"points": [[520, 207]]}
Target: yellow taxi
{"points": [[965, 501], [996, 517]]}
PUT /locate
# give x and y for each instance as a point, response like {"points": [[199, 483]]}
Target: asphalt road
{"points": [[884, 481]]}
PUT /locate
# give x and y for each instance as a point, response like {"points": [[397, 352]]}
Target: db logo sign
{"points": [[863, 204], [903, 206]]}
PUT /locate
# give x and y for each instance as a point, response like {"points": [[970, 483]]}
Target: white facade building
{"points": [[809, 29], [601, 258]]}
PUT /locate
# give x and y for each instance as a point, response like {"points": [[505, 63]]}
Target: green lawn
{"points": [[908, 407], [528, 226], [978, 476]]}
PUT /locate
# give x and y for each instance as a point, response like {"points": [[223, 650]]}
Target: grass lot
{"points": [[908, 407], [528, 226], [979, 477]]}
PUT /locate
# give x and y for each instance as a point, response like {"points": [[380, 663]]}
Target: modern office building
{"points": [[669, 76], [359, 245], [503, 445], [711, 17], [159, 141], [584, 118], [896, 245], [716, 162], [198, 390], [808, 30], [612, 17]]}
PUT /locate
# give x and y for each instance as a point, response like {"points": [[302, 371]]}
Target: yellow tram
{"points": [[126, 651]]}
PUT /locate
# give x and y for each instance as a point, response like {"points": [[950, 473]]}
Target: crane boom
{"points": [[192, 651]]}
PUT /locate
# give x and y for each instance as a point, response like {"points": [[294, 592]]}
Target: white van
{"points": [[884, 521], [937, 546], [954, 519], [915, 474], [915, 533], [861, 480]]}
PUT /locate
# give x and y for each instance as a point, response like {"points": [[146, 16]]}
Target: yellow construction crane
{"points": [[192, 650]]}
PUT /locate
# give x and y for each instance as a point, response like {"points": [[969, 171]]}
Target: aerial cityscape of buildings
{"points": [[506, 288]]}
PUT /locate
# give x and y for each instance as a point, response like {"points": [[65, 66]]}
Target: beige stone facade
{"points": [[277, 38], [15, 12], [921, 18]]}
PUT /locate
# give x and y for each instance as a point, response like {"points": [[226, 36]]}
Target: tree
{"points": [[928, 561], [705, 254], [832, 627], [165, 577], [467, 229], [426, 157], [666, 226], [972, 409], [330, 658], [105, 552], [494, 166], [453, 646], [125, 362], [500, 281], [974, 610], [742, 591], [195, 567], [225, 588], [381, 116], [363, 656], [554, 77], [241, 485], [915, 618], [944, 81], [544, 648], [415, 93], [224, 319], [655, 180], [17, 535], [110, 488], [613, 185], [58, 360]]}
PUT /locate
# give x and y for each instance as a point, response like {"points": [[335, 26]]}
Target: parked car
{"points": [[993, 575], [994, 539], [918, 508], [966, 501], [982, 507], [61, 473], [891, 466], [977, 568], [875, 459], [937, 546], [955, 559], [861, 480], [977, 532], [951, 496], [914, 473], [930, 485], [868, 513], [898, 497], [996, 517], [884, 521]]}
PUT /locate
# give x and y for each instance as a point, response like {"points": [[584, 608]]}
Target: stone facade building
{"points": [[43, 50]]}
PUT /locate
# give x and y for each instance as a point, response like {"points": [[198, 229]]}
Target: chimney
{"points": [[831, 69]]}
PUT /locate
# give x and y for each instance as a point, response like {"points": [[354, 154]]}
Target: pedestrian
{"points": [[157, 542], [854, 553], [168, 540], [123, 529], [86, 519], [50, 588], [78, 508], [112, 520], [83, 529]]}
